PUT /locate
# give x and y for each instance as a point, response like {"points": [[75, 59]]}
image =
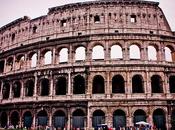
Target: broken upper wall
{"points": [[95, 17]]}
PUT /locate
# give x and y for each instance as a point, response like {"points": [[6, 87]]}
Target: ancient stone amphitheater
{"points": [[89, 63]]}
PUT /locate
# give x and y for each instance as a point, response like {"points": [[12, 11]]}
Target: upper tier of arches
{"points": [[95, 18], [82, 52]]}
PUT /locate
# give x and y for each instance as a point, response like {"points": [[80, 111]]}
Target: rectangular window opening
{"points": [[133, 19], [97, 19], [63, 23]]}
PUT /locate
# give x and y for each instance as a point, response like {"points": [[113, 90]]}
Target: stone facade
{"points": [[88, 63]]}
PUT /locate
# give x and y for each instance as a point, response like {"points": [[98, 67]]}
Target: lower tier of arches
{"points": [[88, 114]]}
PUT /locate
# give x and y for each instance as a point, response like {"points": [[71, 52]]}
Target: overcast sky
{"points": [[13, 9]]}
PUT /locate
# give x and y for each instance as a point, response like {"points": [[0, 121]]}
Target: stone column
{"points": [[8, 119], [107, 88], [88, 118], [1, 96], [14, 62], [22, 90], [70, 57], [168, 122], [166, 88], [69, 83], [148, 80], [53, 56], [69, 120], [128, 82], [5, 62], [20, 120], [51, 86], [50, 119], [10, 93], [34, 120], [35, 85], [39, 59]]}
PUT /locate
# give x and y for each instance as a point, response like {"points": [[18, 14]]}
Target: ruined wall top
{"points": [[100, 2]]}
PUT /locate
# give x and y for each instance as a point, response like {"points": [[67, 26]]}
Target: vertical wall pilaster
{"points": [[69, 83], [35, 84]]}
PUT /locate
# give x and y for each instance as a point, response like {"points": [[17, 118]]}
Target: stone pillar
{"points": [[5, 63], [51, 86], [69, 83], [50, 119], [69, 120], [168, 122], [35, 85], [20, 120], [34, 120], [128, 82], [107, 88], [10, 93], [166, 87], [88, 118], [148, 82], [53, 57], [8, 119], [70, 57], [1, 96], [14, 62], [39, 59], [22, 90], [145, 52], [150, 119]]}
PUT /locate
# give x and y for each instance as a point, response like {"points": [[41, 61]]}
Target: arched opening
{"points": [[15, 119], [61, 86], [29, 88], [139, 115], [6, 90], [98, 118], [156, 84], [98, 85], [134, 52], [3, 119], [152, 53], [172, 84], [2, 65], [45, 87], [173, 120], [78, 119], [42, 118], [119, 119], [16, 89], [79, 85], [137, 84], [116, 52], [27, 119], [118, 84], [9, 64], [159, 119], [63, 55], [48, 58], [20, 62], [80, 54], [168, 54], [33, 59], [98, 52], [59, 119]]}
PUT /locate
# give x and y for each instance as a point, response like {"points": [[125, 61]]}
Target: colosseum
{"points": [[83, 64]]}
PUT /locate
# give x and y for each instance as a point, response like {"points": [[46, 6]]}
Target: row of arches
{"points": [[78, 118], [98, 53], [80, 86]]}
